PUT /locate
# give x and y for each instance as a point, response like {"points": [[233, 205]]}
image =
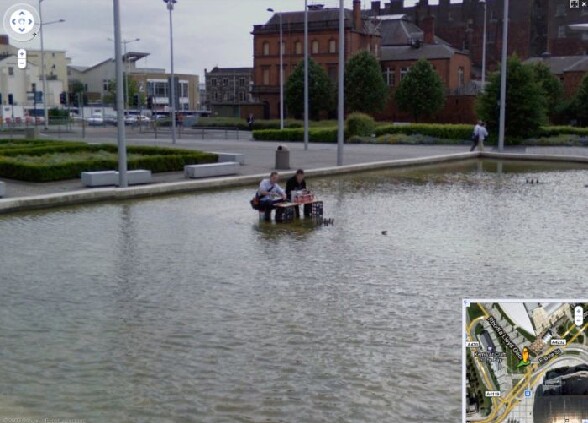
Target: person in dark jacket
{"points": [[297, 183]]}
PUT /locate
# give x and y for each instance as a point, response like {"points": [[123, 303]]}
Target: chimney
{"points": [[428, 27], [376, 8], [357, 21]]}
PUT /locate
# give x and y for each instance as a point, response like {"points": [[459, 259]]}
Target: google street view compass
{"points": [[22, 22]]}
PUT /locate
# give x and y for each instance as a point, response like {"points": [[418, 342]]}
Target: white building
{"points": [[17, 82]]}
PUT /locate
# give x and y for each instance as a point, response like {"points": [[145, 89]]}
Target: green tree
{"points": [[110, 97], [581, 102], [421, 92], [526, 104], [365, 88], [320, 91], [551, 85]]}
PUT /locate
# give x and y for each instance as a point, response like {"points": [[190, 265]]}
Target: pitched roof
{"points": [[229, 70], [425, 51], [559, 65], [397, 32]]}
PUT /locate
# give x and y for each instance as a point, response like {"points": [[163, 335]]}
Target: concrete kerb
{"points": [[94, 195]]}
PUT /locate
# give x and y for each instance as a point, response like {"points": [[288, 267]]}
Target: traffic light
{"points": [[63, 98], [10, 99]]}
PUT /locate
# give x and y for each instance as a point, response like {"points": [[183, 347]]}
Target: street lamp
{"points": [[122, 149], [341, 131], [44, 77], [503, 71], [170, 7], [126, 68], [281, 71], [484, 46], [306, 74]]}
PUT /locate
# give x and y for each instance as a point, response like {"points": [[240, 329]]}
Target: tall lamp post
{"points": [[503, 71], [281, 71], [43, 73], [341, 131], [126, 69], [484, 46], [170, 7], [122, 149], [306, 74]]}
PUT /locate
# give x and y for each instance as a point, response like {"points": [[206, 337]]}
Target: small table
{"points": [[286, 212]]}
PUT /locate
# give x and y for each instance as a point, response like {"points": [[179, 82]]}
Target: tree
{"points": [[421, 92], [365, 88], [552, 87], [526, 105], [110, 97], [320, 91], [581, 102]]}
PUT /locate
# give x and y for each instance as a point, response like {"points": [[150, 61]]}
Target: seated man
{"points": [[270, 193], [297, 183]]}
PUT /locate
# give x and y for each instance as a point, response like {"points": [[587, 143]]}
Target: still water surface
{"points": [[187, 309]]}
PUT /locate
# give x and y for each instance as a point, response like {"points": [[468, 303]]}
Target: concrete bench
{"points": [[137, 177], [231, 157], [110, 177], [100, 179], [212, 169], [2, 189]]}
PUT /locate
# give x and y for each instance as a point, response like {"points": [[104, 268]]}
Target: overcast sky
{"points": [[207, 33]]}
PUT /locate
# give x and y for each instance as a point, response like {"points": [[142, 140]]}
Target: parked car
{"points": [[143, 119], [130, 120], [110, 120], [95, 120]]}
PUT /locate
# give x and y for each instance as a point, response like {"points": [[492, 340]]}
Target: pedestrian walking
{"points": [[250, 121]]}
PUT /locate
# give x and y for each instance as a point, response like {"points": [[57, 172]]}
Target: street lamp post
{"points": [[43, 73], [341, 131], [306, 74], [503, 71], [484, 46], [122, 149], [281, 71], [170, 7]]}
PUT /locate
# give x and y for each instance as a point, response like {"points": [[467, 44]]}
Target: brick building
{"points": [[227, 89], [536, 26], [569, 69], [323, 47]]}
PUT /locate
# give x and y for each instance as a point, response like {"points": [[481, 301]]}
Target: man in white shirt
{"points": [[482, 135], [476, 135], [270, 193]]}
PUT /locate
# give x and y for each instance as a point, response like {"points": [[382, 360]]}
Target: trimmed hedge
{"points": [[156, 159], [550, 131], [360, 124], [326, 135], [448, 132]]}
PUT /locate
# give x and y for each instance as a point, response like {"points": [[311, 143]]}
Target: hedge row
{"points": [[156, 159], [448, 132], [550, 131], [296, 135], [242, 124]]}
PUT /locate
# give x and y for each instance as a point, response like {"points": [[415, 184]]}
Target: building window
{"points": [[404, 72], [157, 89], [225, 82], [315, 47], [390, 76], [213, 82], [216, 96], [266, 49], [241, 82], [105, 85], [332, 46], [184, 89], [266, 76], [461, 77], [10, 71], [241, 96], [376, 48], [561, 31], [298, 47]]}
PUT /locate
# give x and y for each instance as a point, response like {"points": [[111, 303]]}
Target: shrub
{"points": [[550, 131], [156, 159], [447, 132], [360, 124], [324, 135]]}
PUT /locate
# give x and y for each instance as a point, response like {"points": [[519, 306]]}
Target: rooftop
{"points": [[425, 51], [561, 64]]}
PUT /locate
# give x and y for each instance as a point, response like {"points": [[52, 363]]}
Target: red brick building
{"points": [[569, 69], [323, 47]]}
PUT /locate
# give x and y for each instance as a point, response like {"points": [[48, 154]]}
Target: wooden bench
{"points": [[2, 189], [211, 169], [110, 177]]}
